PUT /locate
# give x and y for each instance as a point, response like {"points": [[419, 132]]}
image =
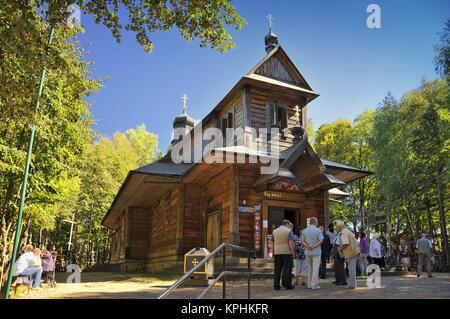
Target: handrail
{"points": [[223, 273], [187, 275]]}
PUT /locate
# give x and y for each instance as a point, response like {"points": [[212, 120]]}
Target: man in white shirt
{"points": [[312, 239], [27, 265], [424, 250]]}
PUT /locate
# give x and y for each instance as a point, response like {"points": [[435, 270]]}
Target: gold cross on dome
{"points": [[184, 98], [297, 114]]}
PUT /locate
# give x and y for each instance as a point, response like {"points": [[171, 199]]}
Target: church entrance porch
{"points": [[278, 214]]}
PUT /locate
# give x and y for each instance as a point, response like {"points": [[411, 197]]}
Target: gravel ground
{"points": [[116, 286]]}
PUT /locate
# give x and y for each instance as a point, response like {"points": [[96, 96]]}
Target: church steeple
{"points": [[271, 39], [183, 123]]}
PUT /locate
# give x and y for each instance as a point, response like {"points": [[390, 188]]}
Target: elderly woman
{"points": [[364, 247], [375, 250], [301, 268]]}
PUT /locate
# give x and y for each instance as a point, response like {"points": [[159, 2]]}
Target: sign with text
{"points": [[274, 195]]}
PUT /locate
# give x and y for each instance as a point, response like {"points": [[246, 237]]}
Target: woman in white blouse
{"points": [[375, 249]]}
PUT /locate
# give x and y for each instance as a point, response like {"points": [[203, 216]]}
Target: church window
{"points": [[277, 115], [227, 122]]}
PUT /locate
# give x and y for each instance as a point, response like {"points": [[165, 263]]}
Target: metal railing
{"points": [[220, 277]]}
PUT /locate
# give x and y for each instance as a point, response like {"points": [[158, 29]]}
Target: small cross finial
{"points": [[297, 114], [184, 98], [270, 19]]}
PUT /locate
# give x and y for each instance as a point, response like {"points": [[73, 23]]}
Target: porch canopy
{"points": [[301, 166]]}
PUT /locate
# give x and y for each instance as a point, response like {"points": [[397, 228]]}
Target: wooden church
{"points": [[165, 209]]}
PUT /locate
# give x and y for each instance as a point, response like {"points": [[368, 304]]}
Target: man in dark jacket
{"points": [[326, 248]]}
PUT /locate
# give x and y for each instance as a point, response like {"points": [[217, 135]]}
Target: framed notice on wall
{"points": [[257, 231]]}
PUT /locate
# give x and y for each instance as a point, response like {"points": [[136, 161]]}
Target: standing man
{"points": [[283, 249], [325, 255], [312, 238], [424, 251], [339, 263], [350, 248], [332, 234]]}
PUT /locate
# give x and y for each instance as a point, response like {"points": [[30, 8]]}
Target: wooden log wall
{"points": [[162, 246], [192, 230], [137, 235], [247, 176], [217, 193]]}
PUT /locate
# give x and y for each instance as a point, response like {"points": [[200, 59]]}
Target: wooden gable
{"points": [[277, 65]]}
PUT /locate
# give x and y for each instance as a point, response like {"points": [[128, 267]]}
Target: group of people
{"points": [[32, 263], [313, 247]]}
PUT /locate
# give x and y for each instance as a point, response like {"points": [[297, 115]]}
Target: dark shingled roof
{"points": [[339, 166], [166, 168]]}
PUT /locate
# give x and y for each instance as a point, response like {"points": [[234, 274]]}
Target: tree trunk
{"points": [[388, 231], [429, 217], [411, 224], [443, 223]]}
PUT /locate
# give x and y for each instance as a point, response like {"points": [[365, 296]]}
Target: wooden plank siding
{"points": [[259, 100], [162, 247], [216, 193], [138, 227], [247, 176], [275, 69], [192, 230]]}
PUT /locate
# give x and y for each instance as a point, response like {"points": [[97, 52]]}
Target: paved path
{"points": [[113, 285]]}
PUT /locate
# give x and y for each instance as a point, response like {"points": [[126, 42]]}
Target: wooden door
{"points": [[276, 217], [213, 229]]}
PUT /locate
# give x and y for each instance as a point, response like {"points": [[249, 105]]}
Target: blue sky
{"points": [[350, 66]]}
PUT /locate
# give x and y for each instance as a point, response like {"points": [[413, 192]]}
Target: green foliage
{"points": [[71, 171], [346, 142], [406, 144], [442, 58], [102, 169], [205, 20], [333, 141], [62, 122], [144, 143]]}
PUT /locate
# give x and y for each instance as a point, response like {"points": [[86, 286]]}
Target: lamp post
{"points": [[25, 176]]}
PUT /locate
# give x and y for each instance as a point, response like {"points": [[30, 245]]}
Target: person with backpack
{"points": [[349, 247]]}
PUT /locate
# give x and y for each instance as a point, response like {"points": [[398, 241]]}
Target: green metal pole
{"points": [[25, 178]]}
